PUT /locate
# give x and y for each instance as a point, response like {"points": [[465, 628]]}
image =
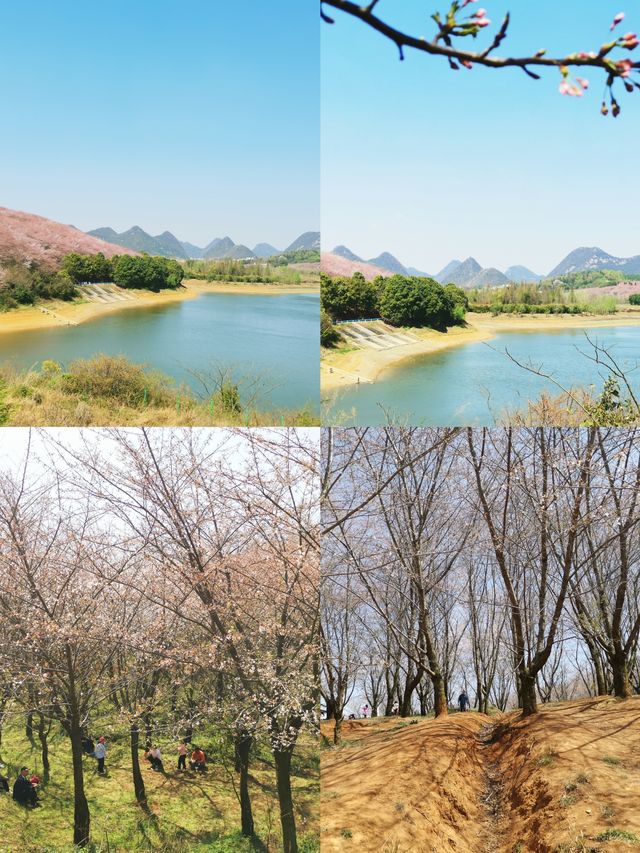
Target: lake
{"points": [[275, 337], [474, 384]]}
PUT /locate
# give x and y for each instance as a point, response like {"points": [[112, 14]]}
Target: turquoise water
{"points": [[273, 337], [476, 383]]}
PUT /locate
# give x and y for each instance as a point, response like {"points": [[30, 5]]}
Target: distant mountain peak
{"points": [[345, 252], [387, 261], [588, 258], [309, 241]]}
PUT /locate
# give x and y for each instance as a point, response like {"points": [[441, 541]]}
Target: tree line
{"points": [[132, 271], [544, 297], [505, 562], [171, 576], [26, 285], [398, 299]]}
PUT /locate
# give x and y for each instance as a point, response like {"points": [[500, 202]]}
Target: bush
{"points": [[329, 335], [112, 378], [634, 299]]}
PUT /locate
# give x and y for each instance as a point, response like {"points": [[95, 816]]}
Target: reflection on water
{"points": [[275, 337]]}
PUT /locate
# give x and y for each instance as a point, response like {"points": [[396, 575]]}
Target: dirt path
{"points": [[563, 781], [493, 830]]}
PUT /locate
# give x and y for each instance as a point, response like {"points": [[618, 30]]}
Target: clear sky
{"points": [[432, 164], [197, 116]]}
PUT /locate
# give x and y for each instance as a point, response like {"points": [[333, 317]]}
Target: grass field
{"points": [[191, 812]]}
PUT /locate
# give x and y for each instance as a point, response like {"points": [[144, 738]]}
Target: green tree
{"points": [[416, 302]]}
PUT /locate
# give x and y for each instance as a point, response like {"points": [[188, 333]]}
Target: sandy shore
{"points": [[341, 368], [56, 313]]}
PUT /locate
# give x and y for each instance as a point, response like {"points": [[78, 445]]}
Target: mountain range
{"points": [[168, 245], [468, 274]]}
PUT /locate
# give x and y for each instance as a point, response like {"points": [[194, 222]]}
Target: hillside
{"points": [[195, 812], [563, 780], [26, 237], [336, 265]]}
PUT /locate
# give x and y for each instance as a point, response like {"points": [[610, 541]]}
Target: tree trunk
{"points": [[621, 685], [243, 743], [337, 730], [44, 748], [285, 799], [28, 729], [138, 781], [440, 706], [528, 694], [81, 817]]}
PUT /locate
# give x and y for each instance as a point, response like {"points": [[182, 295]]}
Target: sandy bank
{"points": [[48, 314], [340, 368]]}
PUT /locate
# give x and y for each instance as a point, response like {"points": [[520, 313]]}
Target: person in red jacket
{"points": [[198, 760]]}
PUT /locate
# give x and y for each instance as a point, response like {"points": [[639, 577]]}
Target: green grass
{"points": [[618, 835], [192, 813]]}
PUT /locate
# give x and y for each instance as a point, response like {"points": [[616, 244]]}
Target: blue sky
{"points": [[433, 164], [197, 116]]}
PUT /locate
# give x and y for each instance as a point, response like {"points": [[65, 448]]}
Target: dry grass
{"points": [[111, 391]]}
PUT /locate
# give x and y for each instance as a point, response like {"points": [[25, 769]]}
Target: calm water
{"points": [[276, 337], [474, 384]]}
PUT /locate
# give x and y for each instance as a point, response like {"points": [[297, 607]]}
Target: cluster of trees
{"points": [[172, 575], [399, 300], [594, 278], [226, 269], [545, 297], [144, 271], [503, 561], [22, 285]]}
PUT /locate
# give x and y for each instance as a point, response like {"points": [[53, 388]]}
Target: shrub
{"points": [[329, 335], [112, 378]]}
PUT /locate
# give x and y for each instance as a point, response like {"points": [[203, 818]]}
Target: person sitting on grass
{"points": [[23, 791], [100, 754], [155, 757], [198, 760]]}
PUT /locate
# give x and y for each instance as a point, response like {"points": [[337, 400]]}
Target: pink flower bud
{"points": [[618, 18], [583, 82], [625, 66]]}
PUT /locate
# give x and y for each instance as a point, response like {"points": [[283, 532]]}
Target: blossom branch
{"points": [[458, 23]]}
